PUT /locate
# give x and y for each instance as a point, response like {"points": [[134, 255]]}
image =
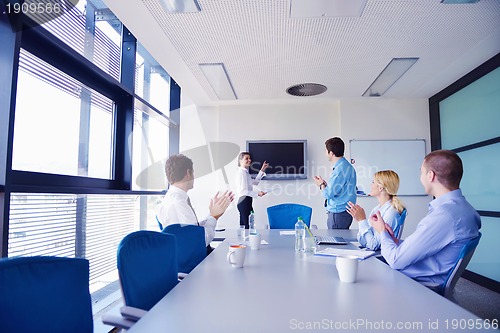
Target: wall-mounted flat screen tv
{"points": [[287, 158]]}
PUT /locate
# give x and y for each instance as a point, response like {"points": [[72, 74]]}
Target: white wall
{"points": [[363, 118]]}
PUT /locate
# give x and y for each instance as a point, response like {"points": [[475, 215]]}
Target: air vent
{"points": [[306, 89]]}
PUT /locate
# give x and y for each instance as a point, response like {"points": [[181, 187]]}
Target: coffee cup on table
{"points": [[236, 255], [254, 241], [347, 266]]}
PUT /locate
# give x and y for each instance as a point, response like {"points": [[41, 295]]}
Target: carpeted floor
{"points": [[481, 301]]}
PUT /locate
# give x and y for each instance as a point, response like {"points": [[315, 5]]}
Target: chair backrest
{"points": [[45, 294], [457, 270], [191, 248], [284, 216], [147, 267], [401, 223]]}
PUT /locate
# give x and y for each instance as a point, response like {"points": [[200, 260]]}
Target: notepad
{"points": [[287, 232], [330, 251]]}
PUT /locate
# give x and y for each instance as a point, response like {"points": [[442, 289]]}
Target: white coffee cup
{"points": [[347, 266], [254, 241], [236, 255]]}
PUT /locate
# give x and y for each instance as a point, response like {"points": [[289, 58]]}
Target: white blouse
{"points": [[245, 183]]}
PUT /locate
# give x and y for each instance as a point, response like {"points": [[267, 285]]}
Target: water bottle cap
{"points": [[300, 218]]}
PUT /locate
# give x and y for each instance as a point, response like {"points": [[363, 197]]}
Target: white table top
{"points": [[280, 291]]}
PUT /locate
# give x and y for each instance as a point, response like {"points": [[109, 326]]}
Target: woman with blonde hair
{"points": [[384, 187]]}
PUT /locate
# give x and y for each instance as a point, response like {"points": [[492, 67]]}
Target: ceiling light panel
{"points": [[219, 80], [326, 8], [391, 73], [180, 6]]}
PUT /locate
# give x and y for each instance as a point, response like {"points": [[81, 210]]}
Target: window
{"points": [[89, 28], [61, 126], [72, 225], [75, 185]]}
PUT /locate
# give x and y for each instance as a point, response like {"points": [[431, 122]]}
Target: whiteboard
{"points": [[402, 156]]}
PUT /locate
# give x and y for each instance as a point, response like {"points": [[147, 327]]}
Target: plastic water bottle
{"points": [[300, 234], [251, 223]]}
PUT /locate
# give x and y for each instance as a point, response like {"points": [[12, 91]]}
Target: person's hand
{"points": [[377, 222], [318, 180], [262, 193], [265, 165], [356, 211], [219, 203]]}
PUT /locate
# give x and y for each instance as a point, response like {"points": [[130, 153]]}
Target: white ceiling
{"points": [[265, 51]]}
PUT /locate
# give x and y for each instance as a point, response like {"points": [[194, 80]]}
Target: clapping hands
{"points": [[219, 203]]}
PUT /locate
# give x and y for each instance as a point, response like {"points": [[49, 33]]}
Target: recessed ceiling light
{"points": [[389, 75], [219, 80], [326, 8], [180, 6]]}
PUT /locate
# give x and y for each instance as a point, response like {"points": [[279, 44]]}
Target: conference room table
{"points": [[278, 290]]}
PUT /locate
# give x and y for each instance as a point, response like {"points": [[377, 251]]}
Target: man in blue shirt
{"points": [[340, 188], [430, 252]]}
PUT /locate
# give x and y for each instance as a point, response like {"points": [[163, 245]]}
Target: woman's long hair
{"points": [[389, 180]]}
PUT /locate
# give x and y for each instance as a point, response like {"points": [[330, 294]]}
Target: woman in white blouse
{"points": [[244, 186], [385, 185]]}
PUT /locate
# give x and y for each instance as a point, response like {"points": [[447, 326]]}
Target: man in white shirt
{"points": [[176, 206]]}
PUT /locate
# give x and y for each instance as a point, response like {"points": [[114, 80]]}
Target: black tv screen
{"points": [[287, 159]]}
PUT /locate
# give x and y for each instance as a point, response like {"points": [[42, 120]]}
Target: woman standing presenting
{"points": [[384, 187], [244, 186]]}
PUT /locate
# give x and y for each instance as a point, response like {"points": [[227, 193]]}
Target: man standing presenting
{"points": [[176, 205], [432, 250], [340, 188]]}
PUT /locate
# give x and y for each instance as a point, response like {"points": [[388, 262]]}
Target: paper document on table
{"points": [[263, 242], [287, 232], [330, 251]]}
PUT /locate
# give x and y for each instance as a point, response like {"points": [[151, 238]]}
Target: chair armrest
{"points": [[181, 276], [131, 313], [117, 321]]}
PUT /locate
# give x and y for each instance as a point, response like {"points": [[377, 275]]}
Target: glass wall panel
{"points": [[486, 261], [472, 114], [61, 126], [481, 174]]}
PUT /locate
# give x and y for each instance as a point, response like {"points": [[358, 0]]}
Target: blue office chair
{"points": [[284, 216], [398, 232], [463, 260], [147, 267], [45, 294], [191, 248]]}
